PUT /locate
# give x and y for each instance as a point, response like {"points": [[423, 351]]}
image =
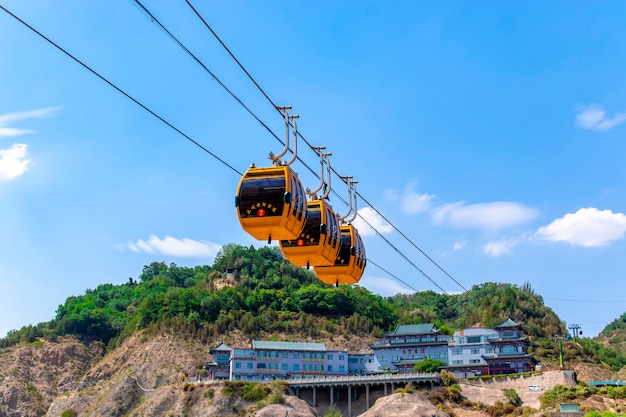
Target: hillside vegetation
{"points": [[258, 293], [125, 347]]}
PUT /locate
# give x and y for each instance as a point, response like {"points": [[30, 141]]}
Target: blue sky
{"points": [[492, 134]]}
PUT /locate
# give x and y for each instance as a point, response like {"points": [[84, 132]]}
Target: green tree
{"points": [[429, 365]]}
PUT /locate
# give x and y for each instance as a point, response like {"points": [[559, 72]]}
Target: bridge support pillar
{"points": [[384, 389], [367, 397], [331, 396], [314, 396], [298, 392], [349, 401]]}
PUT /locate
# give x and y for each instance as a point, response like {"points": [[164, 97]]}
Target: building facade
{"points": [[480, 351], [410, 344], [268, 360], [470, 352]]}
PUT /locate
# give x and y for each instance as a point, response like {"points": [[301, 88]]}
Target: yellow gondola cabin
{"points": [[350, 263], [271, 203], [319, 242]]}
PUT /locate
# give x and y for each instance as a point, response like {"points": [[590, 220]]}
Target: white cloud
{"points": [[183, 248], [7, 118], [373, 219], [588, 227], [500, 247], [459, 245], [414, 202], [593, 117], [13, 131], [492, 216], [14, 161], [383, 286]]}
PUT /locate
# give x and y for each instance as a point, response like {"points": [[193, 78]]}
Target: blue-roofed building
{"points": [[269, 360], [480, 351], [470, 346], [409, 344], [510, 350], [219, 367]]}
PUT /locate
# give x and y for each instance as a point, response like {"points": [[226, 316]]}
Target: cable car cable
{"points": [[390, 274], [313, 148], [411, 242], [94, 72], [134, 100], [175, 39], [179, 43]]}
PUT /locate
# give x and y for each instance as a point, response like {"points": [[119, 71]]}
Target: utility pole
{"points": [[560, 339], [575, 328]]}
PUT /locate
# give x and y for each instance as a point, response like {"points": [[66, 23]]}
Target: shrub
{"points": [[333, 411], [447, 378], [70, 412], [512, 396], [254, 392]]}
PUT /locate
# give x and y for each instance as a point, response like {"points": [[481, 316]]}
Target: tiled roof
{"points": [[296, 346], [414, 329], [222, 347], [475, 331], [507, 323]]}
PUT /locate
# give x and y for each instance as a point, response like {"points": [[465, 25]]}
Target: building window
{"points": [[474, 361], [296, 355], [329, 368], [319, 367], [238, 365], [429, 355], [341, 357], [283, 366], [443, 355], [261, 366], [396, 358], [249, 365], [330, 356], [342, 368], [273, 365], [457, 362], [508, 349], [475, 351], [382, 359], [285, 355], [457, 352], [296, 367], [489, 350]]}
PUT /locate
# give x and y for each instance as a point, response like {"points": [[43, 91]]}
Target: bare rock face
{"points": [[402, 405], [32, 375], [293, 407]]}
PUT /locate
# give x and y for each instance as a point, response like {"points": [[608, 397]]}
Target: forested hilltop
{"points": [[259, 293]]}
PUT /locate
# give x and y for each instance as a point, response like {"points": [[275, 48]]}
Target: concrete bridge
{"points": [[354, 386]]}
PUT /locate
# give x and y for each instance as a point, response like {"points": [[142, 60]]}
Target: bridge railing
{"points": [[323, 379]]}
